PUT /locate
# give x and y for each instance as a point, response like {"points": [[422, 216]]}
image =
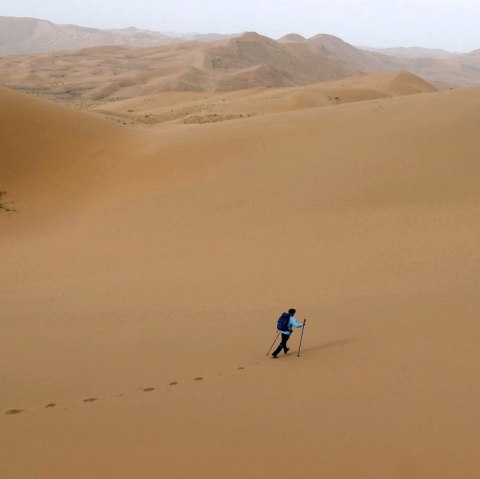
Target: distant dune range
{"points": [[131, 62], [144, 269], [411, 52], [251, 60], [30, 35]]}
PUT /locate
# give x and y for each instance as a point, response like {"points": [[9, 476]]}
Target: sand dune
{"points": [[111, 73], [54, 157], [354, 58], [292, 37], [144, 270], [109, 65], [190, 107], [247, 61]]}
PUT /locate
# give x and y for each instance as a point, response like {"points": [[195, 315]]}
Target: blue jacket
{"points": [[292, 324]]}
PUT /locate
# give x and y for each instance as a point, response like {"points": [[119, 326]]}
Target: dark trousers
{"points": [[282, 345]]}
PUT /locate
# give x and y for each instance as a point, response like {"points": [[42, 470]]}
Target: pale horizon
{"points": [[440, 24]]}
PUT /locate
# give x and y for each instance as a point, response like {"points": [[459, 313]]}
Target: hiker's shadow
{"points": [[330, 344]]}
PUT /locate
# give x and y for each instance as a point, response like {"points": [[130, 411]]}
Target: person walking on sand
{"points": [[285, 325]]}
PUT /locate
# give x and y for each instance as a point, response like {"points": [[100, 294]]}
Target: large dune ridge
{"points": [[143, 272]]}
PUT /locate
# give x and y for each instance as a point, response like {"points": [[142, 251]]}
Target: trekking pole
{"points": [[273, 344], [301, 337]]}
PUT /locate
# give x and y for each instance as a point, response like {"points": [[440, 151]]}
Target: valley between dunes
{"points": [[145, 268]]}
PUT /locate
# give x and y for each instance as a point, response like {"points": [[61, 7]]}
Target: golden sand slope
{"points": [[55, 158], [201, 107], [174, 267]]}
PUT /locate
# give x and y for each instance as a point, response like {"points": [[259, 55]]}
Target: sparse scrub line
{"points": [[5, 206], [51, 405]]}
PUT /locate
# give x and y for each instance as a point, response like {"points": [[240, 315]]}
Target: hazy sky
{"points": [[450, 24]]}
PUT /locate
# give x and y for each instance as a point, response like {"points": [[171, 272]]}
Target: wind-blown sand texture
{"points": [[144, 270]]}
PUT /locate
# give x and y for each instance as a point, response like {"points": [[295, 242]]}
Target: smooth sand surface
{"points": [[143, 273]]}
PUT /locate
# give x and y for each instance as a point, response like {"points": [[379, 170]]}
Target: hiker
{"points": [[285, 325]]}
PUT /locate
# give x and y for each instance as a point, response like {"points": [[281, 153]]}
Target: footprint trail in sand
{"points": [[52, 405]]}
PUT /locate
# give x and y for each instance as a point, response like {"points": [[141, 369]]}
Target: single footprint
{"points": [[198, 378], [52, 404], [240, 368], [148, 390], [90, 400], [14, 411], [119, 396], [173, 383]]}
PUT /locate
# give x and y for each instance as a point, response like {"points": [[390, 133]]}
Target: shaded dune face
{"points": [[157, 261]]}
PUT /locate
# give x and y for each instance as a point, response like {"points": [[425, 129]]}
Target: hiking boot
{"points": [[286, 350], [274, 356]]}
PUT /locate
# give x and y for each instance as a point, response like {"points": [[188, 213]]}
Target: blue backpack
{"points": [[283, 323]]}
